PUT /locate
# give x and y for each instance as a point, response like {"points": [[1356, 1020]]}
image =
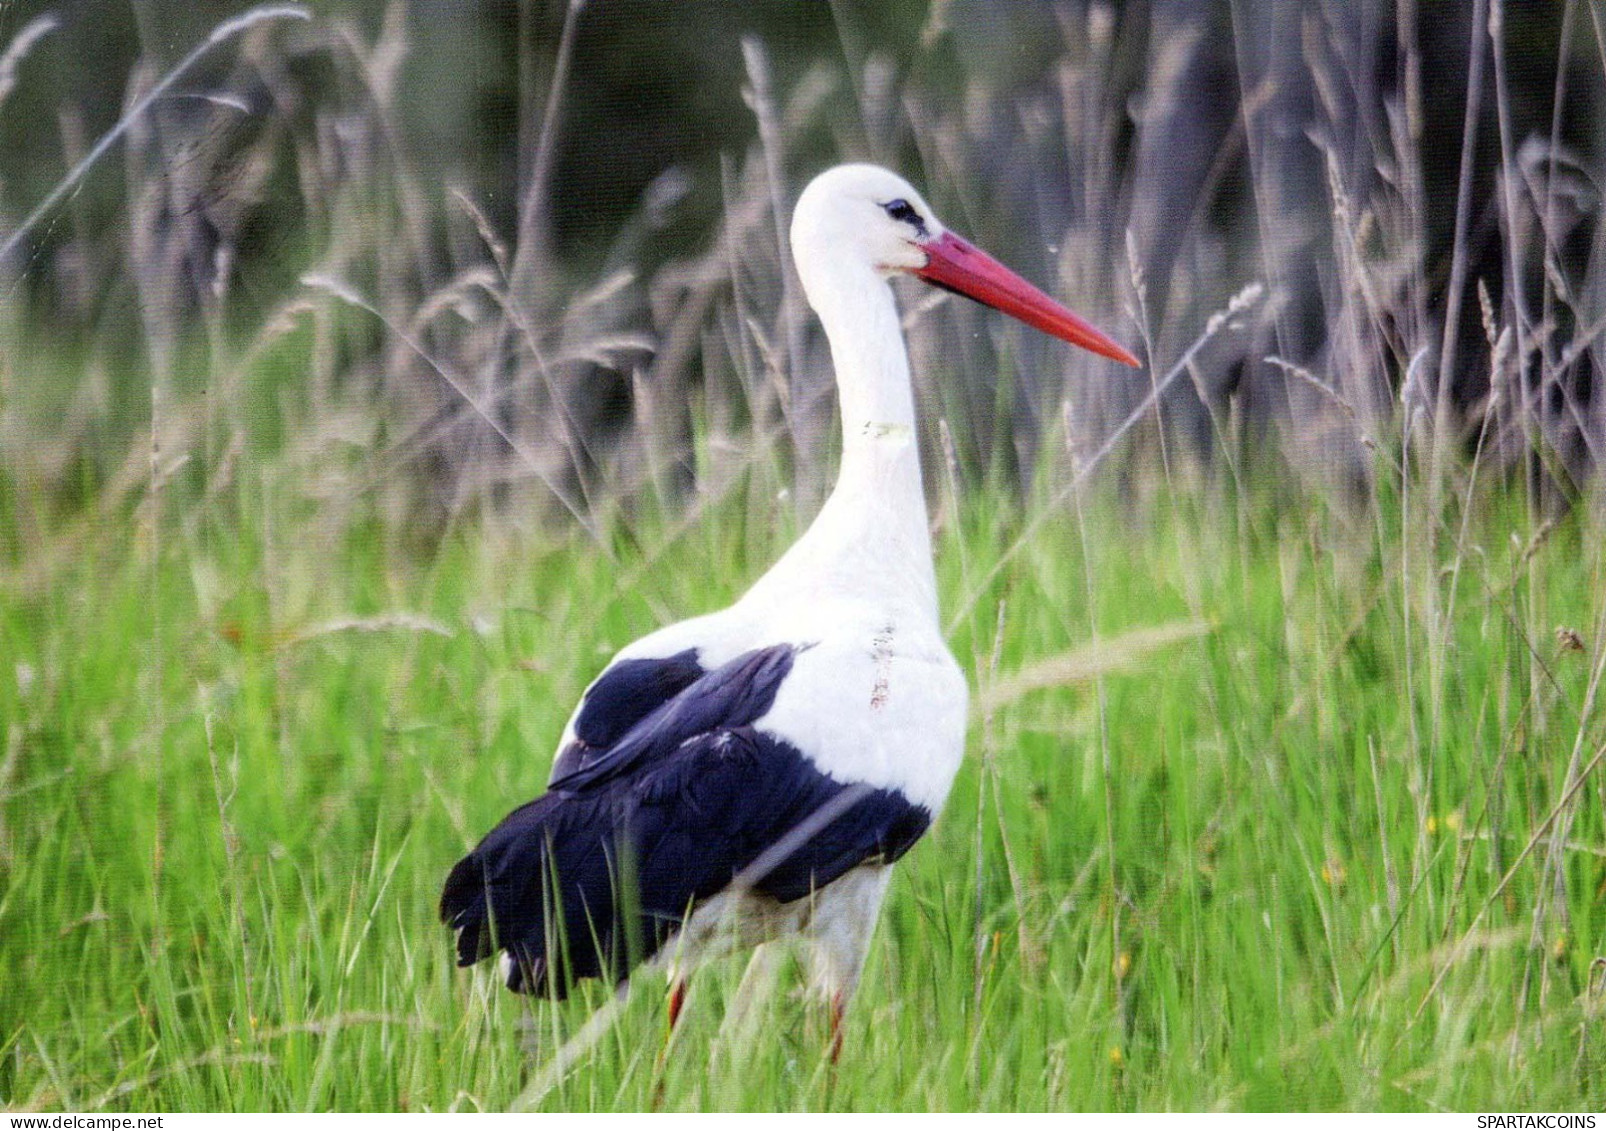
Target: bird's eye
{"points": [[903, 212]]}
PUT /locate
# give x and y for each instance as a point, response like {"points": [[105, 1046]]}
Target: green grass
{"points": [[1277, 865]]}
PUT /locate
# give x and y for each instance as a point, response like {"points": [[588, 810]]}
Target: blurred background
{"points": [[527, 258]]}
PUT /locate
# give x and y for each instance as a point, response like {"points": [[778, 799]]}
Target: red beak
{"points": [[959, 266]]}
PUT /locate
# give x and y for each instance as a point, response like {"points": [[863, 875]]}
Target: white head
{"points": [[857, 217], [867, 213]]}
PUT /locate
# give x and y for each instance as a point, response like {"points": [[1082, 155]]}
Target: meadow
{"points": [[1271, 803], [345, 435]]}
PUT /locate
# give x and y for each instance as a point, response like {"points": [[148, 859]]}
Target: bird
{"points": [[752, 774]]}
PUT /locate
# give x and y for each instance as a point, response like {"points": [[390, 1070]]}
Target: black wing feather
{"points": [[733, 695], [620, 698], [593, 876]]}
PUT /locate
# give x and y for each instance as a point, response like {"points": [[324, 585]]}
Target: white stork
{"points": [[752, 773]]}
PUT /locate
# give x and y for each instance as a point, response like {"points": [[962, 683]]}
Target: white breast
{"points": [[874, 700]]}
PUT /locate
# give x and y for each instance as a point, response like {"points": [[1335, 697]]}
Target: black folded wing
{"points": [[593, 876]]}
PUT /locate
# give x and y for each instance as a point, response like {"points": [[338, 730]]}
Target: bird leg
{"points": [[677, 1001], [839, 1006]]}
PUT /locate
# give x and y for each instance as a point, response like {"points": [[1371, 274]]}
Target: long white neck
{"points": [[871, 538]]}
